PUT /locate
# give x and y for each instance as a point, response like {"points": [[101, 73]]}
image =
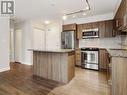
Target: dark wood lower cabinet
{"points": [[103, 59], [78, 57]]}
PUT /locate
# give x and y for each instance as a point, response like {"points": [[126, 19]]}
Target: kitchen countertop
{"points": [[53, 50], [118, 52], [92, 47], [114, 52]]}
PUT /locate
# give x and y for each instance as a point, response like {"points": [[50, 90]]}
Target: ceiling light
{"points": [[64, 17], [87, 8], [47, 22], [84, 14], [73, 16]]}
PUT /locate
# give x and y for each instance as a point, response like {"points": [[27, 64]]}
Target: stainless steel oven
{"points": [[90, 33], [90, 59]]}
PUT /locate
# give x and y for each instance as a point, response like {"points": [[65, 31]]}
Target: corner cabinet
{"points": [[121, 17]]}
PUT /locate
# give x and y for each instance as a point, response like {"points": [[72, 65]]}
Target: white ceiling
{"points": [[53, 9]]}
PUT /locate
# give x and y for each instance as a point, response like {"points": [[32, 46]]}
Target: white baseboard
{"points": [[4, 69], [26, 63]]}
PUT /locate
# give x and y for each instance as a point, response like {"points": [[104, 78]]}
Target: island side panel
{"points": [[36, 59], [49, 62], [64, 67], [71, 65], [43, 64], [40, 64], [56, 66]]}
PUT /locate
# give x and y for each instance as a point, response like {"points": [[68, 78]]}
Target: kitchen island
{"points": [[58, 65]]}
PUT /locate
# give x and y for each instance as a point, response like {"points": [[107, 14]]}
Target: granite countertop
{"points": [[118, 52], [53, 50]]}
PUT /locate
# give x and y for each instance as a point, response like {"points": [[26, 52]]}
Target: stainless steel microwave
{"points": [[90, 33]]}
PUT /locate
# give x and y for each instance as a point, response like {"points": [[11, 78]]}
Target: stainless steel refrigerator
{"points": [[68, 40]]}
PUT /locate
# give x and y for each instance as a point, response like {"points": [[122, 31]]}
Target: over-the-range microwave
{"points": [[90, 33]]}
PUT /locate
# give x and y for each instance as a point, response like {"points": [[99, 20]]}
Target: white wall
{"points": [[53, 35], [12, 48], [4, 44], [101, 42], [38, 38]]}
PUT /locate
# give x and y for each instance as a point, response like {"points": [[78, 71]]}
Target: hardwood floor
{"points": [[20, 81], [86, 82]]}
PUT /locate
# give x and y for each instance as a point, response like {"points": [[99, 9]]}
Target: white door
{"points": [[38, 39], [18, 45]]}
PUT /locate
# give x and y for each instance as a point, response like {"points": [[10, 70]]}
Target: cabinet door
{"points": [[95, 25], [102, 27], [119, 17], [109, 28], [86, 26], [79, 31], [69, 27], [106, 29], [78, 57], [103, 63]]}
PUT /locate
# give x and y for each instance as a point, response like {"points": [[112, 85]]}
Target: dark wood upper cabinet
{"points": [[95, 25], [105, 28], [121, 17], [79, 31], [86, 26], [102, 27], [69, 27], [109, 28]]}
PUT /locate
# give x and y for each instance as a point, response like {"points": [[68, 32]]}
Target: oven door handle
{"points": [[82, 57]]}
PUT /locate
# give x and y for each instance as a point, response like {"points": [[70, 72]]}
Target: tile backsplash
{"points": [[124, 41], [114, 42]]}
